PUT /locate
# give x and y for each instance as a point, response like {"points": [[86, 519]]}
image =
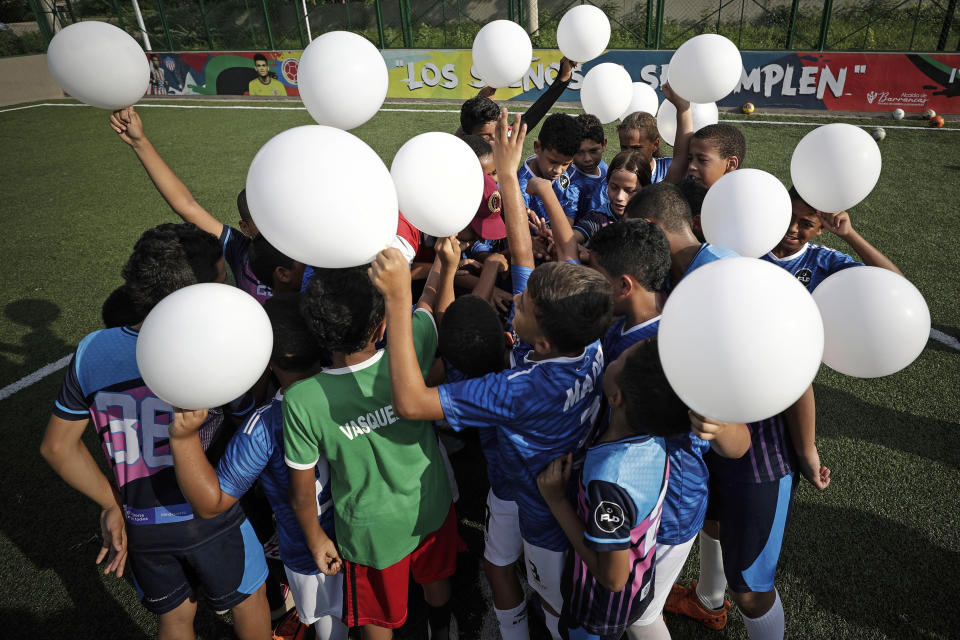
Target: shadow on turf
{"points": [[39, 347]]}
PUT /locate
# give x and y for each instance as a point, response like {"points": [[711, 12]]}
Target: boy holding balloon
{"points": [[715, 150], [638, 132]]}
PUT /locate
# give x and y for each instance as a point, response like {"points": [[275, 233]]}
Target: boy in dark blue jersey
{"points": [[588, 173], [171, 550], [256, 452], [554, 148], [545, 404], [811, 263]]}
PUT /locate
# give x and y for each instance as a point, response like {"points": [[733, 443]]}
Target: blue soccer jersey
{"points": [[588, 224], [256, 451], [661, 166], [236, 247], [621, 492], [706, 254], [686, 503], [618, 339], [103, 383], [590, 192], [813, 264], [561, 187]]}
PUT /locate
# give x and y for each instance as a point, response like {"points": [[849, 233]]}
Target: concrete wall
{"points": [[26, 78]]}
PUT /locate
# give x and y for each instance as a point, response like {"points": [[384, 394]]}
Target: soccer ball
{"points": [[929, 113], [898, 114], [936, 121], [748, 108], [878, 133]]}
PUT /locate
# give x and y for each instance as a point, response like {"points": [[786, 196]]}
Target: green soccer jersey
{"points": [[390, 487]]}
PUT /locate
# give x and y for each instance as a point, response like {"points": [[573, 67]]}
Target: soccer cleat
{"points": [[684, 601]]}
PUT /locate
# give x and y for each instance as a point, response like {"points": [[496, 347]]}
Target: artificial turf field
{"points": [[876, 555]]}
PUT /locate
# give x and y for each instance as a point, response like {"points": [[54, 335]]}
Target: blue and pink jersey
{"points": [[236, 248], [771, 455], [621, 492], [103, 383]]}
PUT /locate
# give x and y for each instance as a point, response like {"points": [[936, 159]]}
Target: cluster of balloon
{"points": [[703, 114]]}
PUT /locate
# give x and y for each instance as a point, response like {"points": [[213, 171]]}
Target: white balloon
{"points": [[747, 210], [583, 33], [204, 345], [740, 340], [342, 79], [439, 198], [606, 91], [644, 99], [703, 115], [705, 68], [835, 166], [875, 322], [322, 196], [502, 53], [99, 64]]}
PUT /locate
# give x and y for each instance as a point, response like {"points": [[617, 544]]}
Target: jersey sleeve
{"points": [[234, 246], [538, 109], [300, 442], [479, 402], [71, 403], [835, 261], [611, 514], [591, 223], [424, 339], [519, 276], [246, 457]]}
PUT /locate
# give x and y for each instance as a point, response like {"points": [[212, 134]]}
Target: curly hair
{"points": [[650, 403], [342, 308], [636, 248], [590, 128], [561, 133], [471, 337]]}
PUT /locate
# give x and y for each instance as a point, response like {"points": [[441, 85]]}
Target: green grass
{"points": [[871, 557]]}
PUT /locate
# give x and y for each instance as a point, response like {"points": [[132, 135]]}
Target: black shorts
{"points": [[227, 568]]}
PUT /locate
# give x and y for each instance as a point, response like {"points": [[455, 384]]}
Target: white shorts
{"points": [[544, 573], [317, 595], [666, 570], [501, 534]]}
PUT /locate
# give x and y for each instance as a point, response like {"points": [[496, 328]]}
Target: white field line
{"points": [[944, 338], [400, 110]]}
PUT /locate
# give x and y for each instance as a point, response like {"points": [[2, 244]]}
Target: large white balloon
{"points": [[875, 322], [99, 64], [746, 210], [740, 340], [703, 115], [835, 166], [502, 53], [342, 79], [705, 68], [644, 99], [439, 198], [322, 196], [606, 91], [583, 33], [204, 345]]}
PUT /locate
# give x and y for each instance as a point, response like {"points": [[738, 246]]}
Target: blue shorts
{"points": [[753, 518], [227, 569]]}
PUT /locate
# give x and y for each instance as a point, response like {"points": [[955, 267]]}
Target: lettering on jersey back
{"points": [[364, 424]]}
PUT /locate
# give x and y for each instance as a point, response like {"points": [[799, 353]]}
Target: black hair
{"points": [[471, 337], [650, 403], [166, 258], [265, 258], [694, 192], [294, 347], [342, 308], [572, 304], [118, 309], [477, 111], [726, 138], [479, 146], [561, 133], [635, 162], [636, 248], [590, 128], [259, 56], [796, 197], [242, 205], [664, 204], [645, 123]]}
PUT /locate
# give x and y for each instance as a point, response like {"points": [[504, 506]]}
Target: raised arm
{"points": [[840, 225], [548, 98], [197, 479], [507, 155], [563, 236], [127, 124], [438, 291], [681, 143]]}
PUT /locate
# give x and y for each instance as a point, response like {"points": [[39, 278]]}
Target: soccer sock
{"points": [[712, 584], [513, 622], [330, 628], [439, 619], [656, 630], [552, 623], [769, 626]]}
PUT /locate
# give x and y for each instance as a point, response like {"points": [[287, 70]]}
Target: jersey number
{"points": [[137, 428]]}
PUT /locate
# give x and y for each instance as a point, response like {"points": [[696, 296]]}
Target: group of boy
{"points": [[600, 479]]}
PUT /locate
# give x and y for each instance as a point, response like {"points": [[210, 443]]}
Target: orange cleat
{"points": [[684, 601]]}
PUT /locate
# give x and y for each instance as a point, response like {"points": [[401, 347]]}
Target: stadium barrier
{"points": [[26, 78]]}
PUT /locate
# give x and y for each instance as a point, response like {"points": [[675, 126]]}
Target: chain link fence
{"points": [[212, 25]]}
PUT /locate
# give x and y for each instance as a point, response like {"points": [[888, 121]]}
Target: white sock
{"points": [[769, 626], [552, 623], [656, 630], [513, 622], [330, 628], [712, 584]]}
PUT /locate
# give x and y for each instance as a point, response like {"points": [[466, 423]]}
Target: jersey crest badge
{"points": [[804, 276], [563, 181], [608, 516]]}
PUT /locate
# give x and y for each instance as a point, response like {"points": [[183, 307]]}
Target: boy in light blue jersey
{"points": [[256, 453], [542, 407], [812, 263]]}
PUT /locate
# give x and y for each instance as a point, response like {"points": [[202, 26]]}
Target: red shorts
{"points": [[379, 596]]}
